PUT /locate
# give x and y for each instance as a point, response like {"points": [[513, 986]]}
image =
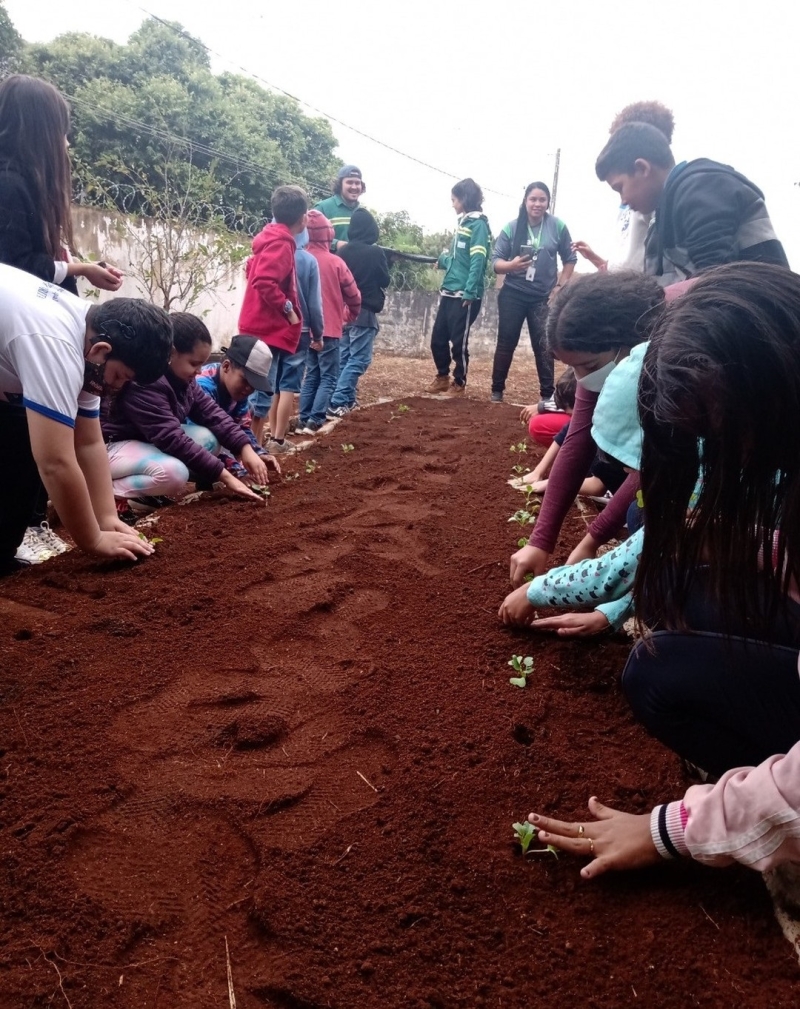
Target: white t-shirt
{"points": [[42, 339], [628, 251]]}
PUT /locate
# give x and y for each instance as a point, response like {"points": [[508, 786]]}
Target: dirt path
{"points": [[293, 728]]}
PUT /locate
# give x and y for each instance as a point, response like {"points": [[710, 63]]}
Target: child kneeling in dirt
{"points": [[159, 434], [604, 583], [230, 382], [605, 476], [57, 354]]}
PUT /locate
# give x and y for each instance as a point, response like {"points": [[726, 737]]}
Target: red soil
{"points": [[187, 742]]}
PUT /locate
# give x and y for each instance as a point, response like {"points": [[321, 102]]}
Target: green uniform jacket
{"points": [[338, 213], [465, 263]]}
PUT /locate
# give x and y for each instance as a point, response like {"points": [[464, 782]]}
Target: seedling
{"points": [[523, 517], [522, 542], [519, 450], [153, 541], [523, 667], [348, 448], [524, 834], [403, 408], [311, 465], [261, 489]]}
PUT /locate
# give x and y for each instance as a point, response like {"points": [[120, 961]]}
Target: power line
{"points": [[274, 87]]}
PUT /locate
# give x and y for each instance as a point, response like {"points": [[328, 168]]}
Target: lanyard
{"points": [[536, 242]]}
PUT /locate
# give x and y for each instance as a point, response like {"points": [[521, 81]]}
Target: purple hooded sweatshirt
{"points": [[154, 414]]}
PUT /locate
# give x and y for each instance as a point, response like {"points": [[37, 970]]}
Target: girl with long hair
{"points": [[716, 676]]}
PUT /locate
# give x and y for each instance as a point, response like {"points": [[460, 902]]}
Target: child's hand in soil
{"points": [[527, 561], [515, 610], [272, 463], [618, 840], [238, 487], [528, 412], [573, 625], [255, 465]]}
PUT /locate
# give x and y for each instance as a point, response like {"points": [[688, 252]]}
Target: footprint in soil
{"points": [[256, 742]]}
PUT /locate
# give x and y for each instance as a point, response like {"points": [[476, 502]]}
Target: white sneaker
{"points": [[54, 542], [39, 544]]}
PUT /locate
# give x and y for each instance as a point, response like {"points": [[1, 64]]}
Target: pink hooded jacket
{"points": [[338, 286]]}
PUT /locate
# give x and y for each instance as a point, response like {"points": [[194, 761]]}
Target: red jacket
{"points": [[271, 282], [338, 286]]}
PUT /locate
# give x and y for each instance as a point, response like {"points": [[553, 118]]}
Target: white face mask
{"points": [[595, 380]]}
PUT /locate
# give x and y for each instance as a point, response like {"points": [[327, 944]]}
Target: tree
{"points": [[10, 42]]}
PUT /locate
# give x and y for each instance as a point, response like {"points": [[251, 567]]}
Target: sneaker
{"points": [[49, 538], [496, 397], [337, 412], [279, 447], [34, 549], [456, 389], [548, 406], [308, 429], [148, 503], [440, 384]]}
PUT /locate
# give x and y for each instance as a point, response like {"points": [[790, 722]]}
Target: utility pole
{"points": [[555, 182]]}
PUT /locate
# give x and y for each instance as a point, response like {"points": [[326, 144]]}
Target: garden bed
{"points": [[292, 729]]}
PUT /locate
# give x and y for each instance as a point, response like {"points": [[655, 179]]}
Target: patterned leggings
{"points": [[142, 470]]}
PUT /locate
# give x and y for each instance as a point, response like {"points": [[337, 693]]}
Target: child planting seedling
{"points": [[523, 667], [525, 834]]}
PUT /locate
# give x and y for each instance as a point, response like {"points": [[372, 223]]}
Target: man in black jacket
{"points": [[706, 213], [368, 265]]}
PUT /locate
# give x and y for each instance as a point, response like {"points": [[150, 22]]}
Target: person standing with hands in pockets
{"points": [[526, 254], [462, 288]]}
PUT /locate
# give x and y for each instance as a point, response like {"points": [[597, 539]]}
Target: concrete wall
{"points": [[406, 321]]}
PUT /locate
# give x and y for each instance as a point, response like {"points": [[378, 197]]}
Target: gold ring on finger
{"points": [[591, 845], [581, 830]]}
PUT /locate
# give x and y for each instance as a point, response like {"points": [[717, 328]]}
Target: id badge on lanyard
{"points": [[530, 273]]}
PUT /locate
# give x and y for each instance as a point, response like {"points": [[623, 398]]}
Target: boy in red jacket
{"points": [[270, 310], [339, 291]]}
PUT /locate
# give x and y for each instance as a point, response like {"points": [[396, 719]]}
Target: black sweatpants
{"points": [[514, 308], [20, 486], [450, 337], [719, 702]]}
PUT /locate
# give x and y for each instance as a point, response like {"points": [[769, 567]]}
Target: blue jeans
{"points": [[322, 371], [355, 358]]}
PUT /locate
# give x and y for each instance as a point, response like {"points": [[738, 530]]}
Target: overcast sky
{"points": [[492, 90]]}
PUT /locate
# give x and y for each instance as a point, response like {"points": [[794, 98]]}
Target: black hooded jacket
{"points": [[709, 215], [366, 261]]}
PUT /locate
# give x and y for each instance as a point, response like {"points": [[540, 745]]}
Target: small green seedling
{"points": [[524, 834], [403, 408], [348, 448], [519, 449], [523, 517], [522, 542], [153, 541], [311, 465], [523, 667], [261, 489]]}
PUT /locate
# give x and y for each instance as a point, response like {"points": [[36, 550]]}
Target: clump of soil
{"points": [[292, 727]]}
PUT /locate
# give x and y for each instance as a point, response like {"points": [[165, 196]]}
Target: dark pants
{"points": [[718, 702], [514, 308], [450, 337], [20, 485]]}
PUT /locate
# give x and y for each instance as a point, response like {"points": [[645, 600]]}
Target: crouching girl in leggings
{"points": [[159, 434], [717, 679]]}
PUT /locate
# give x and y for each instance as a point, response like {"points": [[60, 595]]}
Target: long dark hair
{"points": [[521, 232], [720, 396], [470, 194], [34, 122]]}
